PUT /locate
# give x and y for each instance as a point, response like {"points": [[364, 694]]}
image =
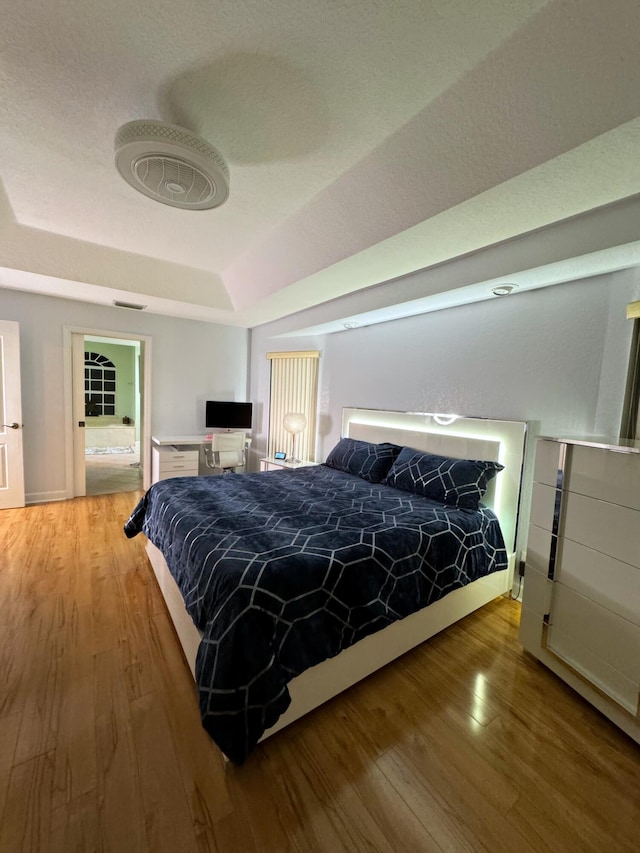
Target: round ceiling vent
{"points": [[172, 165]]}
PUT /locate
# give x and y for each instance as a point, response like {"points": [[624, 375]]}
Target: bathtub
{"points": [[105, 432]]}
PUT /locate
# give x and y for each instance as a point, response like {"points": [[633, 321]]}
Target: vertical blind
{"points": [[294, 388]]}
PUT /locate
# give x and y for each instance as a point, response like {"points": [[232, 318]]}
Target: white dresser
{"points": [[581, 600]]}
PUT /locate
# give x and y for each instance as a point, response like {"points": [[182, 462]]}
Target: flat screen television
{"points": [[220, 415]]}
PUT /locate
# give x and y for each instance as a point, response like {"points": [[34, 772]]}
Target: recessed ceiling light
{"points": [[503, 289]]}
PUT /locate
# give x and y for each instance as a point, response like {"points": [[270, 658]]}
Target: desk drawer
{"points": [[172, 462], [177, 466], [168, 455], [177, 472]]}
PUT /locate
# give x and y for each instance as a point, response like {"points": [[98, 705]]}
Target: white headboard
{"points": [[461, 437]]}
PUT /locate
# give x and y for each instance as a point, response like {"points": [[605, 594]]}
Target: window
{"points": [[294, 388], [99, 385]]}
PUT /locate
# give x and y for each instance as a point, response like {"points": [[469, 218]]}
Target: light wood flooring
{"points": [[465, 744]]}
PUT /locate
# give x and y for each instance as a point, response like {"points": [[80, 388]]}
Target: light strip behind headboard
{"points": [[462, 437]]}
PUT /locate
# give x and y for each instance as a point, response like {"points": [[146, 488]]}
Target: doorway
{"points": [[112, 415], [109, 379]]}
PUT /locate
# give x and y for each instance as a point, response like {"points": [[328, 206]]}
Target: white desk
{"points": [[179, 440], [179, 456]]}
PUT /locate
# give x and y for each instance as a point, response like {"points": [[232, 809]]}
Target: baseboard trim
{"points": [[45, 497]]}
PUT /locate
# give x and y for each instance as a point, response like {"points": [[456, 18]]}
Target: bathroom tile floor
{"points": [[113, 472]]}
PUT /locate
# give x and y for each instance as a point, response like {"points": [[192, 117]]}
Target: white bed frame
{"points": [[465, 438]]}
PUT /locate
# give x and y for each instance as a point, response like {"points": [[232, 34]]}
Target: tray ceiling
{"points": [[365, 141]]}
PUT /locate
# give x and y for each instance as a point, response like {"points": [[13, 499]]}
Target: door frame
{"points": [[145, 403]]}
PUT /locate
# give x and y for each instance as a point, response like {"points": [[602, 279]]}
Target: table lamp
{"points": [[295, 423]]}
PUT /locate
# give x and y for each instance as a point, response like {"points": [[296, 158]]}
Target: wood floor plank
{"points": [[14, 669], [119, 801], [75, 762], [139, 664], [168, 824], [75, 829], [310, 824], [26, 820], [40, 692], [261, 810], [339, 750], [418, 704], [576, 802], [449, 793], [207, 792], [9, 727], [108, 612], [448, 829]]}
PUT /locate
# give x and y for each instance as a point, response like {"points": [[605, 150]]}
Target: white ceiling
{"points": [[366, 139]]}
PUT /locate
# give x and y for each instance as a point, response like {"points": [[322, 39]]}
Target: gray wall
{"points": [[556, 357], [190, 362]]}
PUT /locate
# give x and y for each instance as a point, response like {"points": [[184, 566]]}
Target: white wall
{"points": [[190, 362], [556, 357]]}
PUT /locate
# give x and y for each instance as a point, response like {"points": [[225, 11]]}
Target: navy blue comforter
{"points": [[283, 569]]}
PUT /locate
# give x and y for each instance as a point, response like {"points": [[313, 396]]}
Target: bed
{"points": [[286, 587]]}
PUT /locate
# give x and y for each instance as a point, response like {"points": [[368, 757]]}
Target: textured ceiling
{"points": [[365, 139]]}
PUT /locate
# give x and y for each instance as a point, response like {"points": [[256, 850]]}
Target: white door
{"points": [[11, 458]]}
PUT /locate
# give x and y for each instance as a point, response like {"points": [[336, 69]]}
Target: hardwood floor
{"points": [[465, 744]]}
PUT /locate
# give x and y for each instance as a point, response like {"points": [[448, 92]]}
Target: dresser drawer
{"points": [[543, 506], [605, 527], [591, 637], [611, 477], [548, 461], [601, 578]]}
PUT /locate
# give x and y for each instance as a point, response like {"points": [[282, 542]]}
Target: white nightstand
{"points": [[271, 464]]}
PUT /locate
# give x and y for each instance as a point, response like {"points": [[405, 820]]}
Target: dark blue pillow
{"points": [[456, 482], [366, 460]]}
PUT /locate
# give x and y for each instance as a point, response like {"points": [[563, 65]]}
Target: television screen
{"points": [[219, 415]]}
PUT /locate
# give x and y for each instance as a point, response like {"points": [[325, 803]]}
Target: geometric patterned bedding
{"points": [[281, 570]]}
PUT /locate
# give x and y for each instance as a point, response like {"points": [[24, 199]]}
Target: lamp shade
{"points": [[294, 422]]}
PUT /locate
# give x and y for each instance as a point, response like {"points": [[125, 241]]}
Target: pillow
{"points": [[456, 482], [366, 460]]}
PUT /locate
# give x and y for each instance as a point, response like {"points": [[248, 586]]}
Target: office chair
{"points": [[227, 452]]}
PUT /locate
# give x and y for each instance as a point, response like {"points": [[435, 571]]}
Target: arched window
{"points": [[99, 385]]}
